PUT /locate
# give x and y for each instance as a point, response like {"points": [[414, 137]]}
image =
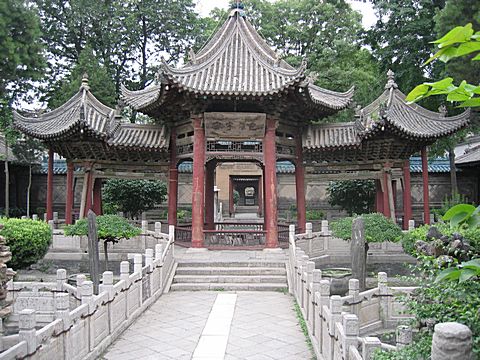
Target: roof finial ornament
{"points": [[119, 108], [85, 81], [442, 109], [391, 80], [192, 56]]}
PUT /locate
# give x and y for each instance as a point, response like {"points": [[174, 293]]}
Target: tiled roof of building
{"points": [[437, 165], [84, 117], [236, 61], [389, 112], [470, 158], [283, 167]]}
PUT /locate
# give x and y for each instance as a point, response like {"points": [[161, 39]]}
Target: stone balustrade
{"points": [[339, 326], [83, 324]]}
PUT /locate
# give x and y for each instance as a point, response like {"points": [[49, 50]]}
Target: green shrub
{"points": [[314, 215], [412, 236], [378, 228], [111, 228], [28, 240], [184, 214], [236, 197], [353, 196]]}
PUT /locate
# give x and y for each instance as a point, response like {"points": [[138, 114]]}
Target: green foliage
{"points": [[378, 228], [418, 350], [463, 272], [448, 202], [111, 228], [134, 196], [236, 197], [314, 215], [100, 81], [184, 214], [28, 240], [412, 236], [463, 214], [353, 196], [21, 58], [400, 39], [461, 41]]}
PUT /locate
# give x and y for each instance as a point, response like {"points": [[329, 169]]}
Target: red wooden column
{"points": [[49, 204], [69, 195], [210, 195], [426, 200], [385, 205], [97, 196], [173, 180], [260, 196], [407, 195], [198, 189], [300, 184], [378, 197], [270, 159]]}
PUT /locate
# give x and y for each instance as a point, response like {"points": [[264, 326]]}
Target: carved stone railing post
{"points": [[62, 309], [303, 277], [452, 341], [411, 224], [310, 266], [383, 294], [61, 279], [315, 287], [158, 251], [336, 316], [351, 329], [369, 345], [403, 336], [144, 227], [354, 291], [149, 258], [27, 332], [158, 228], [124, 270], [137, 263]]}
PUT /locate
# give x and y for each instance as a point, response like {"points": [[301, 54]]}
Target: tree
{"points": [[353, 196], [327, 35], [21, 61], [100, 82], [400, 39], [111, 228], [134, 196]]}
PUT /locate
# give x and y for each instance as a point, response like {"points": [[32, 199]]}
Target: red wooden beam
{"points": [[49, 204], [426, 199], [198, 189]]}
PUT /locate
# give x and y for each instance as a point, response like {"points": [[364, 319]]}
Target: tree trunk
{"points": [[453, 171], [7, 182], [105, 250], [29, 188]]}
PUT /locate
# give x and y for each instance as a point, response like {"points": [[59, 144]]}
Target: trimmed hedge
{"points": [[28, 240], [378, 228]]}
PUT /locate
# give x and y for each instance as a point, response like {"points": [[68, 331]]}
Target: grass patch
{"points": [[219, 289], [303, 326]]}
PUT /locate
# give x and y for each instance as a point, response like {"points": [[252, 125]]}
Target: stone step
{"points": [[236, 264], [229, 287], [241, 271], [222, 279]]}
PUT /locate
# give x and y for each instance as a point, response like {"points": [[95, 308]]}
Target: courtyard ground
{"points": [[215, 325]]}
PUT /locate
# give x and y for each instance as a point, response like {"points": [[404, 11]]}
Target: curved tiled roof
{"points": [[237, 61], [82, 112], [470, 158], [412, 121], [140, 136], [336, 135]]}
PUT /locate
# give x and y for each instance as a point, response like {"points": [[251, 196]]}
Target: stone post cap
{"points": [[27, 320], [310, 266], [81, 278], [353, 285], [453, 330], [350, 324], [149, 252], [61, 274], [317, 275], [107, 278], [382, 277], [87, 288], [335, 304], [62, 301], [124, 267], [137, 258], [324, 287], [158, 226]]}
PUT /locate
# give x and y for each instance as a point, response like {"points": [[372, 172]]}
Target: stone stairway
{"points": [[261, 275]]}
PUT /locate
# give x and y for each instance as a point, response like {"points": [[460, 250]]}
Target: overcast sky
{"points": [[205, 6]]}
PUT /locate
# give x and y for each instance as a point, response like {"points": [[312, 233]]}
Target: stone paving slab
{"points": [[264, 326]]}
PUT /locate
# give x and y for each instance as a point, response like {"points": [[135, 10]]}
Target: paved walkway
{"points": [[214, 326]]}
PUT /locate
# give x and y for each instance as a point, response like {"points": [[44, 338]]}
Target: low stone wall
{"points": [[324, 248], [84, 324], [339, 327]]}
